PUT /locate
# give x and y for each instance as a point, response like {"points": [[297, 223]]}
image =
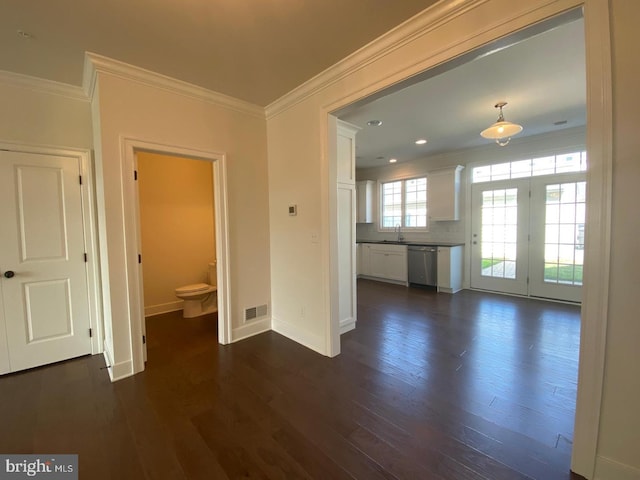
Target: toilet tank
{"points": [[212, 274]]}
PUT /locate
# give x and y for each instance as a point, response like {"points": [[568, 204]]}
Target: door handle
{"points": [[9, 274]]}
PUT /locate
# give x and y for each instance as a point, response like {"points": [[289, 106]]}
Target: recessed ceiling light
{"points": [[374, 123], [421, 141], [393, 160], [25, 35]]}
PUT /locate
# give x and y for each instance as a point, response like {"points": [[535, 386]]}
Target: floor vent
{"points": [[255, 312]]}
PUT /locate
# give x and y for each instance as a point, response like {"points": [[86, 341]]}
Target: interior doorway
{"points": [[177, 233], [134, 239]]}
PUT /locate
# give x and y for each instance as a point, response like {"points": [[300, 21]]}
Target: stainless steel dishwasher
{"points": [[423, 265]]}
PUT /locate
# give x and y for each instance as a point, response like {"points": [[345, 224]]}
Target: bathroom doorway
{"points": [[187, 163], [178, 238]]}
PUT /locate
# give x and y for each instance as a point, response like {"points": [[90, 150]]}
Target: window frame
{"points": [[403, 204]]}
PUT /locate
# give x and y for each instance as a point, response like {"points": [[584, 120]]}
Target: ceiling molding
{"points": [[95, 64], [42, 85], [406, 32]]}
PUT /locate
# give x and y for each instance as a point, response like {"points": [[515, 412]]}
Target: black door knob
{"points": [[9, 274]]}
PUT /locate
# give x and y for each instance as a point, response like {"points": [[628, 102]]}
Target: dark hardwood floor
{"points": [[429, 386]]}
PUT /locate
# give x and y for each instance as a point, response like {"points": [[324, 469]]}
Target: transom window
{"points": [[569, 162], [404, 204]]}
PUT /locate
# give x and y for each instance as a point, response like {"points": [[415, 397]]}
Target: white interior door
{"points": [[44, 300], [499, 245]]}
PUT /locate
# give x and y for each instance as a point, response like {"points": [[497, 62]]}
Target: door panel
{"points": [[499, 247], [557, 234], [45, 304]]}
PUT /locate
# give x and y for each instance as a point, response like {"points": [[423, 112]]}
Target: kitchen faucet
{"points": [[400, 236]]}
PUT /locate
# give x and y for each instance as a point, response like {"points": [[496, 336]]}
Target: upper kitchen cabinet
{"points": [[444, 194], [364, 200]]}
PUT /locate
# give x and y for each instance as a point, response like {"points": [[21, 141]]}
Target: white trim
{"points": [[298, 335], [95, 64], [117, 371], [347, 325], [429, 19], [595, 304], [89, 227], [129, 147], [43, 85], [161, 308], [250, 329], [607, 469]]}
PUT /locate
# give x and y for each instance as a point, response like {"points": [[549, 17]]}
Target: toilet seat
{"points": [[194, 288]]}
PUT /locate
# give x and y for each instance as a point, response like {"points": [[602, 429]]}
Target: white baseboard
{"points": [[347, 325], [163, 308], [607, 469], [250, 329], [295, 333], [118, 371]]}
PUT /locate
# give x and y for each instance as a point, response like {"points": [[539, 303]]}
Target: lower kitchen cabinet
{"points": [[450, 269], [384, 262]]}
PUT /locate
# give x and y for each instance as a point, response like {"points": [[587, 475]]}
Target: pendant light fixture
{"points": [[501, 131]]}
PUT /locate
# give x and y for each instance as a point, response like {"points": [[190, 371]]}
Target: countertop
{"points": [[416, 243]]}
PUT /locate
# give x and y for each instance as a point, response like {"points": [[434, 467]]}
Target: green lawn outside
{"points": [[488, 262], [563, 273]]}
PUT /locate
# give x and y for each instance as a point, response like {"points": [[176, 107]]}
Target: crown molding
{"points": [[427, 20], [42, 85], [95, 64]]}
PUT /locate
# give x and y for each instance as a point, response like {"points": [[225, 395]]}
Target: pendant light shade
{"points": [[501, 131]]}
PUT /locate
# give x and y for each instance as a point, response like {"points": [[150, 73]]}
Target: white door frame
{"points": [[599, 178], [90, 231], [133, 239]]}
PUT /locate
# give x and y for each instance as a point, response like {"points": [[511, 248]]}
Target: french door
{"points": [[528, 236], [500, 229], [557, 238]]}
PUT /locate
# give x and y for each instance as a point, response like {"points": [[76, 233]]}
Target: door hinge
{"points": [[139, 258], [85, 258], [80, 178], [135, 174], [91, 332], [144, 339]]}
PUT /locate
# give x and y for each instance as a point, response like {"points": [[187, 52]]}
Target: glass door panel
{"points": [[499, 245], [557, 253]]}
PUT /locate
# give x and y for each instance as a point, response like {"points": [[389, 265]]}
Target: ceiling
{"points": [[540, 73], [254, 50]]}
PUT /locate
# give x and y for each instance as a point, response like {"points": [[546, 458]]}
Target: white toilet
{"points": [[200, 298]]}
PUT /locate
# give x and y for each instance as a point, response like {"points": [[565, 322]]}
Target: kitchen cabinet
{"points": [[384, 262], [443, 189], [450, 269], [365, 259], [364, 191]]}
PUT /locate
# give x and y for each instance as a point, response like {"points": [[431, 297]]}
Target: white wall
{"points": [[300, 171], [33, 116], [125, 108]]}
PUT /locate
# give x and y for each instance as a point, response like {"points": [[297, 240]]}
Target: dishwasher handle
{"points": [[423, 249]]}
